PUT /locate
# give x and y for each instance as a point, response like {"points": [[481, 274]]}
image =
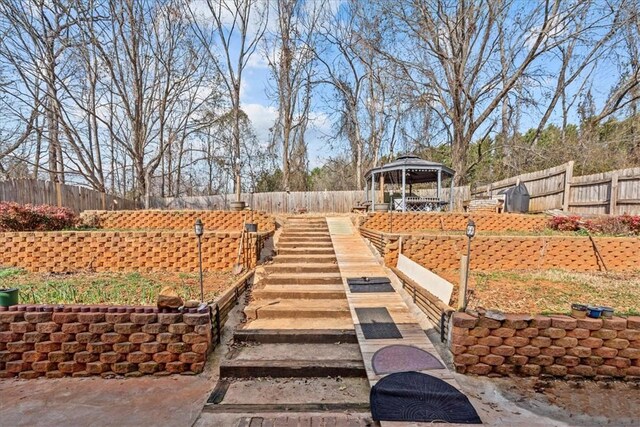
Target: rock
{"points": [[192, 303], [169, 298], [495, 315]]}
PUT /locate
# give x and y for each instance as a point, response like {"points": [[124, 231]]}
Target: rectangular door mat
{"points": [[369, 284], [376, 323]]}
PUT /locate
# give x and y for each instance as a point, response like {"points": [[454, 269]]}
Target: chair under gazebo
{"points": [[419, 182]]}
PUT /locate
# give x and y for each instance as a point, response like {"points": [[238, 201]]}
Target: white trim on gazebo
{"points": [[418, 171]]}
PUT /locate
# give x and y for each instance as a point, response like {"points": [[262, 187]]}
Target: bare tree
{"points": [[452, 54], [289, 52], [238, 27]]}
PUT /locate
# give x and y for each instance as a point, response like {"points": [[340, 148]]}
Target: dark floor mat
{"points": [[403, 358], [373, 288], [380, 331], [364, 280], [417, 397], [376, 323]]}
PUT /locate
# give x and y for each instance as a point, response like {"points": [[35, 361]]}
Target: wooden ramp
{"points": [[356, 260]]}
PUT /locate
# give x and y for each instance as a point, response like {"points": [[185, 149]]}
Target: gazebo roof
{"points": [[418, 170]]}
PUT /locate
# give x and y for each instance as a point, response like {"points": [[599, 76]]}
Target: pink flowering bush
{"points": [[616, 225], [17, 217]]}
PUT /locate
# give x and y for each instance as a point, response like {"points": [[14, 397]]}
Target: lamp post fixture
{"points": [[470, 232], [198, 228]]}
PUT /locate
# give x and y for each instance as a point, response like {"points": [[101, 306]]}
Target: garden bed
{"points": [[548, 291], [110, 287]]}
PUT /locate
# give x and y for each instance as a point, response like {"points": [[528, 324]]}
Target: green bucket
{"points": [[8, 297]]}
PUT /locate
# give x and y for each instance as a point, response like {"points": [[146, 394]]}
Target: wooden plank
{"points": [[613, 194]]}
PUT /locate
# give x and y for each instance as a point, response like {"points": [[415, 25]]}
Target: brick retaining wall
{"points": [[91, 340], [560, 346], [399, 222], [177, 220], [126, 251], [491, 253]]}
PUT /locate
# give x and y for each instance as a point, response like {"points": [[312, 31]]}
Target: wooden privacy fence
{"points": [[615, 192], [76, 198], [283, 202], [546, 187]]}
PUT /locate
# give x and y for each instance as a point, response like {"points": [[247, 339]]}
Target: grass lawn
{"points": [[109, 288], [549, 291]]}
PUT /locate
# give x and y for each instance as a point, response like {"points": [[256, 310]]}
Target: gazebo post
{"points": [[404, 196], [451, 195], [373, 192], [439, 184]]}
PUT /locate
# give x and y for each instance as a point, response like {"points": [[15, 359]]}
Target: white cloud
{"points": [[262, 119]]}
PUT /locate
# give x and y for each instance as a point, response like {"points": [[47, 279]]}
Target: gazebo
{"points": [[405, 172]]}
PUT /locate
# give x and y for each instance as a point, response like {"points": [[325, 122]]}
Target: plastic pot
{"points": [[579, 311], [237, 206], [594, 312], [9, 297], [251, 228], [381, 207], [607, 312]]}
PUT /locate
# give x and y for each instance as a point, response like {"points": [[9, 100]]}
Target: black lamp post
{"points": [[470, 232], [199, 230]]}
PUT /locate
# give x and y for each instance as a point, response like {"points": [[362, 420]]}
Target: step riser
{"points": [[331, 259], [303, 252], [286, 269], [307, 240], [305, 245], [352, 370], [289, 233], [298, 281], [293, 336], [260, 294], [296, 314]]}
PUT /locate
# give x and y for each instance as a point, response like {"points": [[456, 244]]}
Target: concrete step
{"points": [[308, 240], [306, 251], [289, 233], [305, 245], [298, 309], [305, 259], [302, 279], [287, 391], [292, 369], [340, 324], [299, 292], [295, 268], [295, 336], [297, 351]]}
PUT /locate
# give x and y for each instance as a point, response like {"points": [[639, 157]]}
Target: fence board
{"points": [[76, 198], [283, 202], [546, 187], [615, 192]]}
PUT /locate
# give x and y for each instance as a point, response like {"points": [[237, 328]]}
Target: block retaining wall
{"points": [[126, 251], [177, 220], [399, 222], [492, 253], [82, 341], [560, 346]]}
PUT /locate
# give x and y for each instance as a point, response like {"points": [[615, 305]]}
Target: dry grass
{"points": [[109, 288], [550, 291]]}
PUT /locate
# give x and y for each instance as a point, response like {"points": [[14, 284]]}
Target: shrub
{"points": [[17, 217], [616, 225], [565, 223]]}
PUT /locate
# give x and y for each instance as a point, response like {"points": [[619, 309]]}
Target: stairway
{"points": [[298, 321]]}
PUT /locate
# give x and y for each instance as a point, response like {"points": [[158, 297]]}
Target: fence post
{"points": [[462, 289], [566, 195], [59, 194], [613, 194]]}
